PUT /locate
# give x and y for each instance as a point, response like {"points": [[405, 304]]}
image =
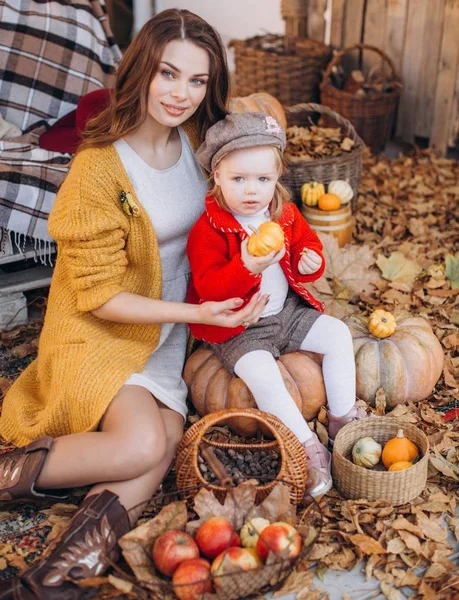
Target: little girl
{"points": [[243, 152]]}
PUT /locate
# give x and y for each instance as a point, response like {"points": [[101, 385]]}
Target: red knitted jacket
{"points": [[217, 270]]}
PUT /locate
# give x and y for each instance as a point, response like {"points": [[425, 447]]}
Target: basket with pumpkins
{"points": [[380, 458], [329, 211]]}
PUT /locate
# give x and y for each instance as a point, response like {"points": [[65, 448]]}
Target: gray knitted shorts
{"points": [[277, 334]]}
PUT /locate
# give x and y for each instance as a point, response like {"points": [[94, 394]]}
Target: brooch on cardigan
{"points": [[128, 204]]}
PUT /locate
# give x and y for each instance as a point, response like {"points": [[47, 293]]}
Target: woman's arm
{"points": [[132, 308]]}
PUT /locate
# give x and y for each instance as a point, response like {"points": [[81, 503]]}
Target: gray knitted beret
{"points": [[237, 131]]}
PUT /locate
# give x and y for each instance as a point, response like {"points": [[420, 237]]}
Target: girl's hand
{"points": [[310, 262], [257, 264], [223, 313]]}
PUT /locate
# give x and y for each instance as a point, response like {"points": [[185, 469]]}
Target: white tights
{"points": [[328, 336]]}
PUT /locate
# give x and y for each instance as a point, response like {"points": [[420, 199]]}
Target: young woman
{"points": [[243, 152], [99, 406]]}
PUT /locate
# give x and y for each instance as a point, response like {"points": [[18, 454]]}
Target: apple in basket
{"points": [[215, 535], [232, 561], [171, 549], [280, 538], [191, 579]]}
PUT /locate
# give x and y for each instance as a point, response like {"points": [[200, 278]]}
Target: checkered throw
{"points": [[52, 52]]}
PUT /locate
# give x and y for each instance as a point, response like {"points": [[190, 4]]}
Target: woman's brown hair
{"points": [[281, 194], [129, 101]]}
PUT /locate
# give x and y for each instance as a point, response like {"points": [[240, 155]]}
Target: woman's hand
{"points": [[257, 264], [309, 262], [223, 313]]}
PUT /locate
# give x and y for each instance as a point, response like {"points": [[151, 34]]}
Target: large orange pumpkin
{"points": [[407, 364], [260, 102], [214, 388]]}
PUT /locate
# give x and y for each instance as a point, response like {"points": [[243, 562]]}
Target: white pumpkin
{"points": [[342, 189], [366, 452]]}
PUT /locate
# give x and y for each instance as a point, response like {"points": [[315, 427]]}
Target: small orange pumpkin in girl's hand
{"points": [[329, 202], [399, 449], [268, 237]]}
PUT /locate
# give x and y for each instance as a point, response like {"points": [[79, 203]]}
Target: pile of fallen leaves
{"points": [[403, 255], [311, 143]]}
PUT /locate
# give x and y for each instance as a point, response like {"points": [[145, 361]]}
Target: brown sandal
{"points": [[84, 549], [19, 471]]}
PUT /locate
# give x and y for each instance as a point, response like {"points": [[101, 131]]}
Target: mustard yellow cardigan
{"points": [[82, 360]]}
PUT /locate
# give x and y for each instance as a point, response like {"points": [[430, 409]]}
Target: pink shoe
{"points": [[318, 477], [336, 423]]}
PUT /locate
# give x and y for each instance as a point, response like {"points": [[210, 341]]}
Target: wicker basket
{"points": [[240, 584], [288, 68], [398, 487], [372, 115], [292, 456], [346, 166]]}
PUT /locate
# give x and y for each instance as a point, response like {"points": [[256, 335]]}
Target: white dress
{"points": [[173, 199]]}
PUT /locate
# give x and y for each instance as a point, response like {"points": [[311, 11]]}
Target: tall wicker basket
{"points": [[288, 68], [347, 166], [373, 114]]}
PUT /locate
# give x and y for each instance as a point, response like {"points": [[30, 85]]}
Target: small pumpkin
{"points": [[406, 364], [251, 530], [399, 449], [268, 237], [366, 452], [260, 102], [400, 466], [342, 189], [213, 388], [329, 202], [311, 192], [381, 323]]}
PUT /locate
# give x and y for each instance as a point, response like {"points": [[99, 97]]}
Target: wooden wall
{"points": [[422, 38]]}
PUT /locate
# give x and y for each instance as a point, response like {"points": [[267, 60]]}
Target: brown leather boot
{"points": [[84, 549], [19, 471]]}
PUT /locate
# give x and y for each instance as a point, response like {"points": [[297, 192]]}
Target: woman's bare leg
{"points": [[132, 442], [135, 493]]}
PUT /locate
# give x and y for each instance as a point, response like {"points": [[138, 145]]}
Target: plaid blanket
{"points": [[52, 52]]}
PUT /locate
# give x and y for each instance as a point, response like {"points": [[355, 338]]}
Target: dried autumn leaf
{"points": [[444, 466], [295, 582], [237, 505], [390, 592], [120, 584], [275, 505], [396, 546], [429, 528], [452, 270], [23, 350], [399, 268], [435, 571], [92, 582], [367, 544], [136, 545]]}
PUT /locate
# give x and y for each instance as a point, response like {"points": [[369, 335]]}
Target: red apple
{"points": [[191, 579], [279, 538], [215, 535], [171, 549], [233, 561]]}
